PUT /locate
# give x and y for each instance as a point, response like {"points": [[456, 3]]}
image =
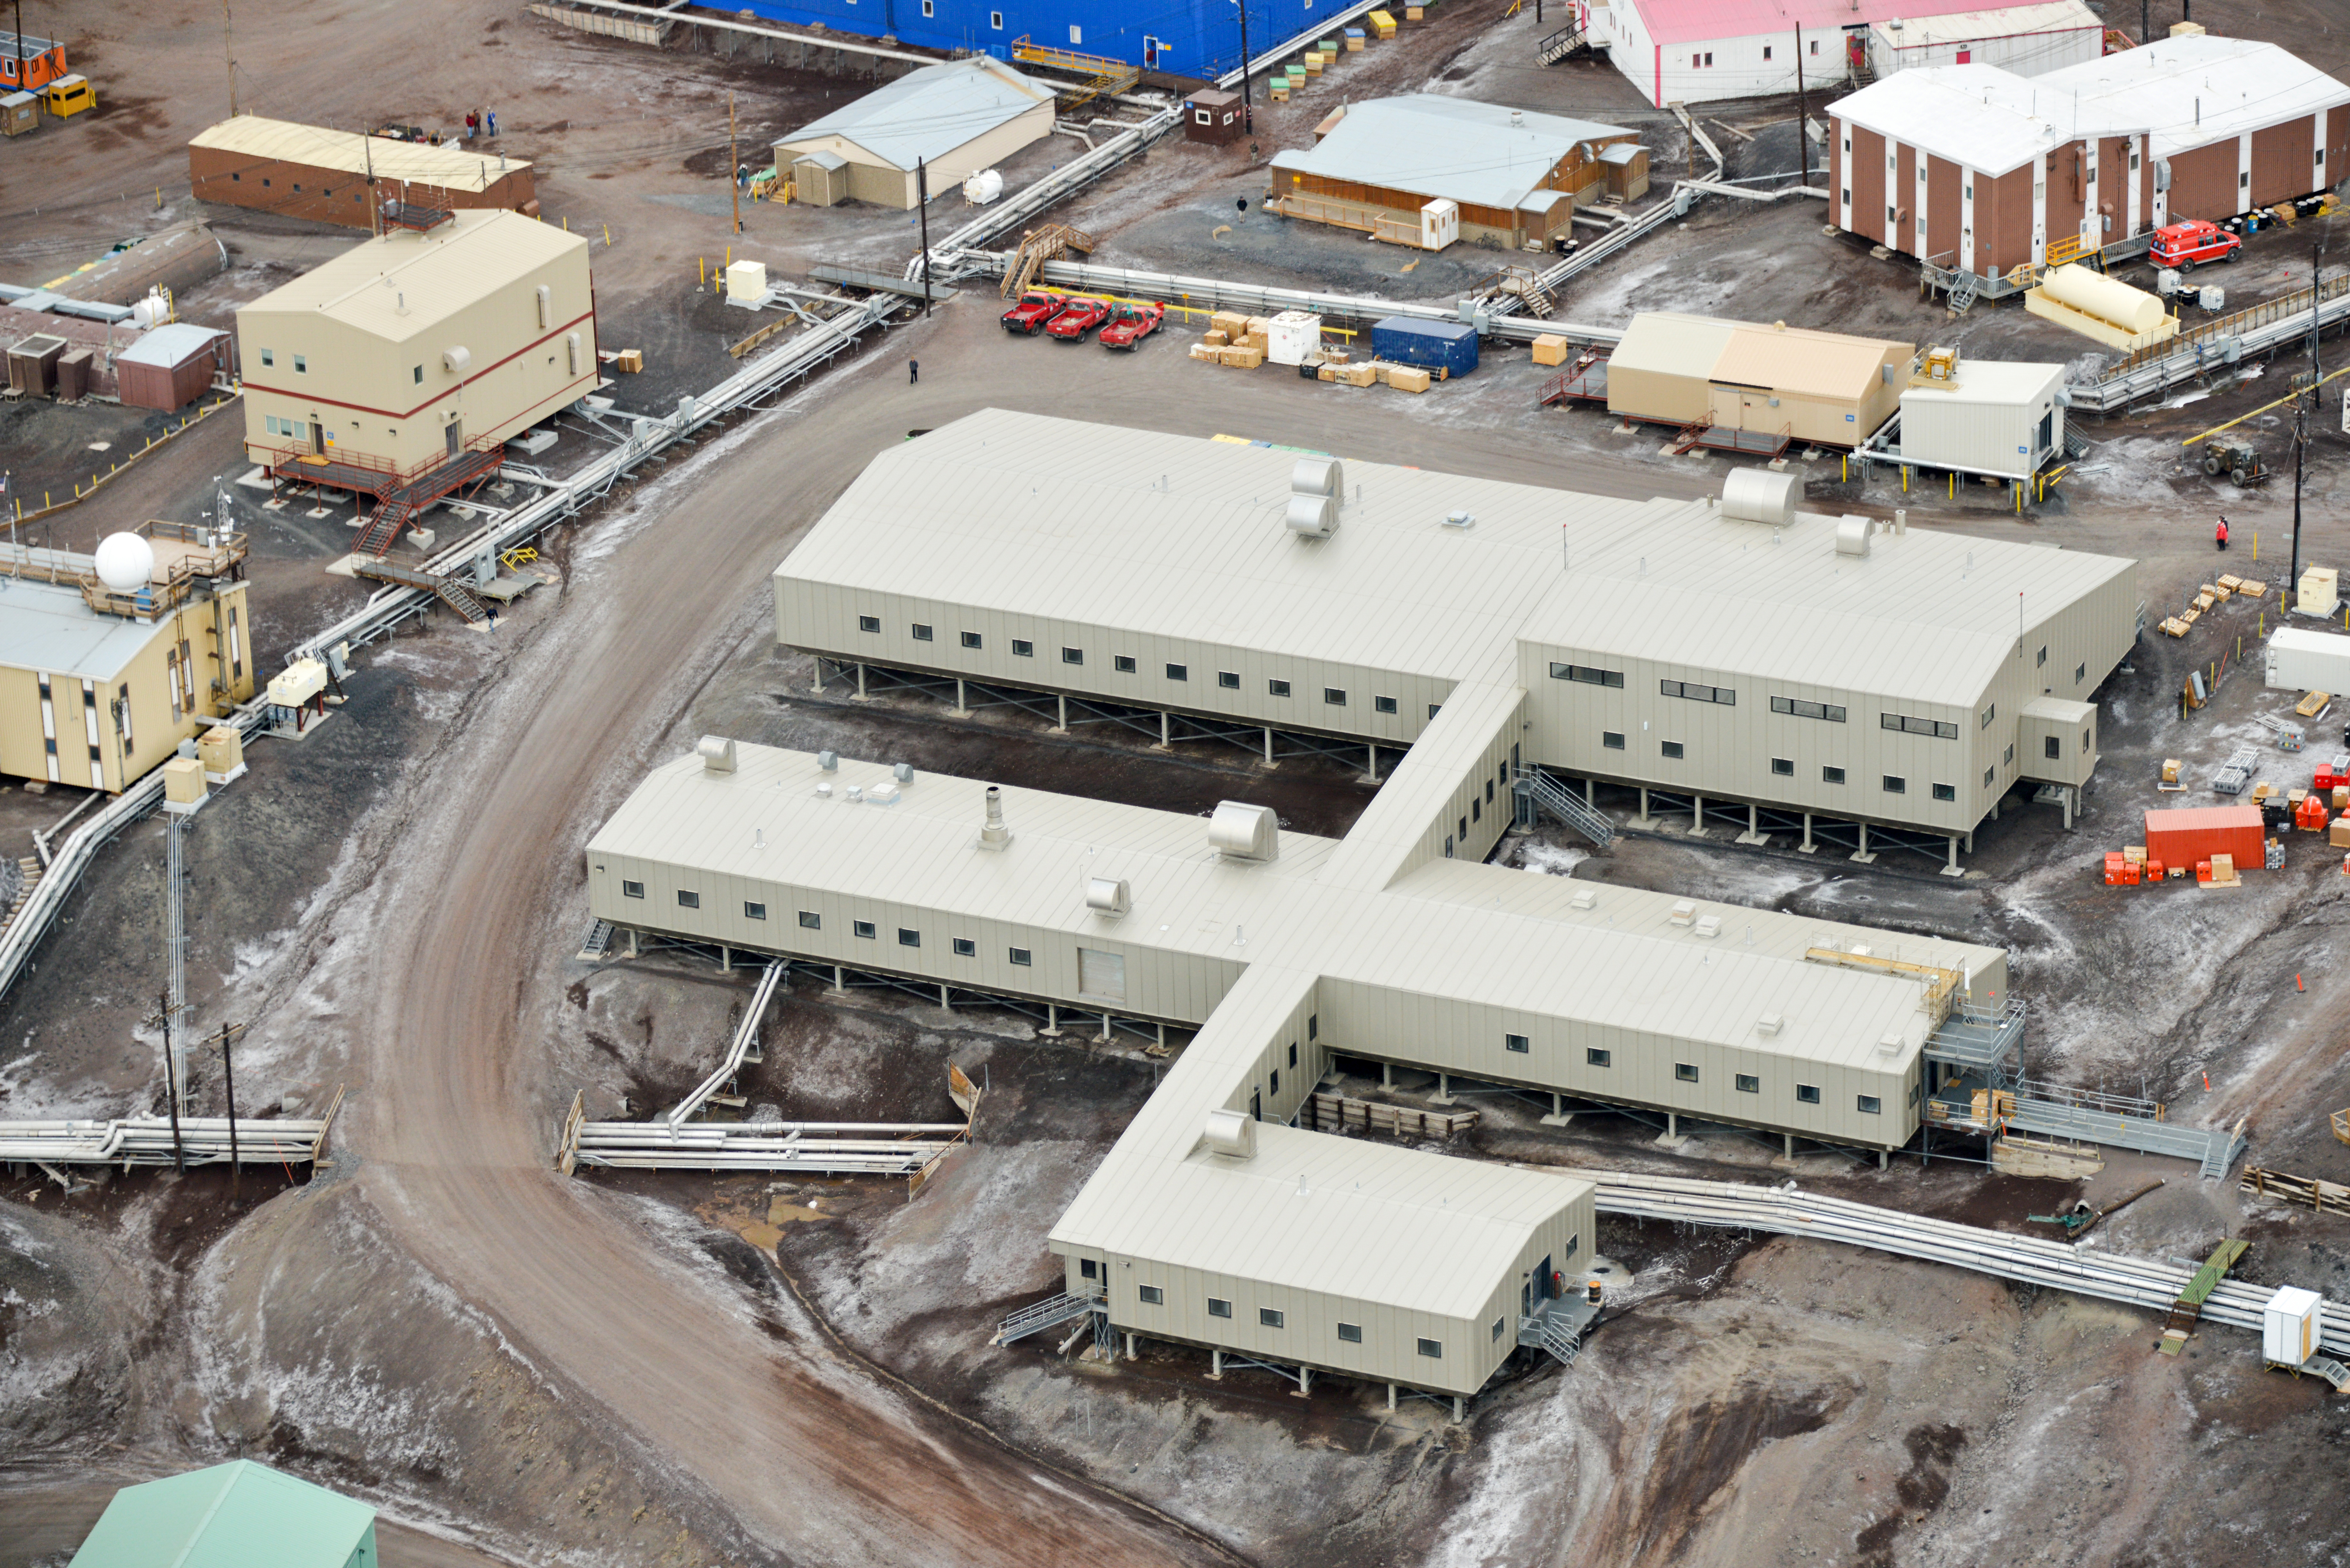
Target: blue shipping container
{"points": [[1447, 345]]}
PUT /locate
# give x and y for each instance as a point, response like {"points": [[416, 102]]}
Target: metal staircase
{"points": [[1050, 1312], [400, 507], [449, 589], [2332, 1371], [1104, 78], [1560, 45], [1036, 247], [599, 942], [1536, 788], [1964, 293]]}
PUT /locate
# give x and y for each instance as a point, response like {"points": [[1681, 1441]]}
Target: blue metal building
{"points": [[1193, 39]]}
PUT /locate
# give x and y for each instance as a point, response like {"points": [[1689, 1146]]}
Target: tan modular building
{"points": [[97, 685], [312, 172], [953, 119], [1804, 665], [1213, 1222], [1515, 175], [1782, 383], [1970, 168], [418, 354]]}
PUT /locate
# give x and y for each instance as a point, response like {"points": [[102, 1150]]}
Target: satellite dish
{"points": [[126, 562]]}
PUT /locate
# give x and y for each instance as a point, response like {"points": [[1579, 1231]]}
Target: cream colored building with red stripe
{"points": [[408, 349]]}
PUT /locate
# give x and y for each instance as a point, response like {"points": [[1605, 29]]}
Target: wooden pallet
{"points": [[2325, 1197], [2315, 703], [1336, 1113], [2174, 627]]}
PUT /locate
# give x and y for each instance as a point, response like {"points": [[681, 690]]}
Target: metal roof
{"points": [[236, 1515], [1176, 536], [348, 152], [926, 114], [1906, 29], [2183, 92], [1480, 154], [1671, 343], [1693, 21], [170, 344], [2005, 383], [49, 626], [1792, 359], [402, 283]]}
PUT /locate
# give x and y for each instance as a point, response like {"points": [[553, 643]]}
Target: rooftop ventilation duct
{"points": [[1232, 1133], [903, 772], [1756, 496], [1109, 896], [1316, 485], [994, 836], [1584, 900], [1317, 476], [1852, 536], [1241, 832], [457, 360], [1771, 1022], [1313, 517], [717, 754], [828, 760]]}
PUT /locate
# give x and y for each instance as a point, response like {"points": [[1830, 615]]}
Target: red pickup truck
{"points": [[1080, 316], [2182, 245], [1035, 307], [1131, 325]]}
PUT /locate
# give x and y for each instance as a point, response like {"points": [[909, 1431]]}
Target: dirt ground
{"points": [[621, 1368]]}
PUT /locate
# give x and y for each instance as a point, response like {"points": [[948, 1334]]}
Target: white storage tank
{"points": [[2301, 660], [2133, 310], [984, 187], [1996, 417], [2289, 1331]]}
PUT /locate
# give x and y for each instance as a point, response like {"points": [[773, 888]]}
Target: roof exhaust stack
{"points": [[1852, 536], [1242, 831], [1109, 896], [1316, 485], [1232, 1133], [717, 754], [994, 836]]}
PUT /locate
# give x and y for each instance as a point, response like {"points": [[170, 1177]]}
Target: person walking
{"points": [[914, 374], [493, 122], [2219, 535]]}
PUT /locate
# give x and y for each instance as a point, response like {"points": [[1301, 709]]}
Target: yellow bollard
{"points": [[1954, 487], [1905, 478], [566, 222], [2256, 546]]}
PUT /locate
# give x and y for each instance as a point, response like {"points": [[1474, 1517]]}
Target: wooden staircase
{"points": [[29, 878], [1036, 247], [1560, 45]]}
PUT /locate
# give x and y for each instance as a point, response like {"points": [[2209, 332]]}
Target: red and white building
{"points": [[1692, 51], [1977, 168]]}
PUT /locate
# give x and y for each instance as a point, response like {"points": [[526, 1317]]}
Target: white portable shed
{"points": [[1999, 418], [2301, 660], [2289, 1326]]}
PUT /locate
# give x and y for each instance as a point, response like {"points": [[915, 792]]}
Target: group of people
{"points": [[476, 119]]}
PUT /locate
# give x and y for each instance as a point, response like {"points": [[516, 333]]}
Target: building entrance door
{"points": [[318, 439], [455, 435], [1543, 1291]]}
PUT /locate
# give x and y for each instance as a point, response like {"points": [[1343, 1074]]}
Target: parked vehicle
{"points": [[2240, 461], [1131, 325], [1037, 306], [1078, 317], [2183, 244]]}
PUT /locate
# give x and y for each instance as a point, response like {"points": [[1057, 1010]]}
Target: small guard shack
{"points": [[1212, 116], [236, 1515]]}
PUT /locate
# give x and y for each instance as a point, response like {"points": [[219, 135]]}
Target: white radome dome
{"points": [[125, 562]]}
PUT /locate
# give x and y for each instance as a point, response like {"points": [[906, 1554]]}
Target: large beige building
{"points": [[1805, 671], [97, 687], [1213, 1222], [407, 353], [951, 120]]}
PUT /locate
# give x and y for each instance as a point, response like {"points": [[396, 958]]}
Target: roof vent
{"points": [[1709, 926], [1756, 496], [1313, 517], [1852, 536], [1891, 1046], [1242, 831], [1317, 476], [456, 360], [1585, 898], [1683, 913], [994, 836], [1461, 520], [1232, 1133], [1517, 116], [903, 773], [1108, 896], [717, 754], [1770, 1023], [828, 760], [1316, 484], [883, 791]]}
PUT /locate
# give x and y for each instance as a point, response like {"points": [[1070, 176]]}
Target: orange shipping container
{"points": [[2183, 837]]}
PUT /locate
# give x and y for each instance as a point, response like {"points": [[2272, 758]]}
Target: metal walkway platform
{"points": [[2213, 1149]]}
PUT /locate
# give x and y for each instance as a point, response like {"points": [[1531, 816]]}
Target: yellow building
{"points": [[98, 686], [398, 369]]}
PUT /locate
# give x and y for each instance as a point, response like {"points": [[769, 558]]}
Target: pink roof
{"points": [[1695, 21]]}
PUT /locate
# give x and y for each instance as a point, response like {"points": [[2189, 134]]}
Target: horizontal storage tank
{"points": [[2302, 661], [2133, 310], [2183, 837], [1447, 345]]}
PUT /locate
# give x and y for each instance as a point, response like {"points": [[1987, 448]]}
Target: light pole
{"points": [[1248, 105]]}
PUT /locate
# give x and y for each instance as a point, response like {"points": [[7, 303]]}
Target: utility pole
{"points": [[1802, 111], [1248, 105], [2301, 423], [228, 1082], [733, 164], [20, 48], [375, 208], [171, 1084], [2145, 21], [923, 194], [228, 46]]}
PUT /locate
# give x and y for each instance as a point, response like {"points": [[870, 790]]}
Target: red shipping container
{"points": [[2183, 837]]}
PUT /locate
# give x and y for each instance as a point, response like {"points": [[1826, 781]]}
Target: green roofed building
{"points": [[237, 1515]]}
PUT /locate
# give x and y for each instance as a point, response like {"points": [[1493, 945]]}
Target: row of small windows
{"points": [[1697, 694], [1934, 727], [1266, 1317], [1686, 1072], [964, 946], [1586, 674], [301, 361], [1801, 709], [1124, 664], [1785, 767]]}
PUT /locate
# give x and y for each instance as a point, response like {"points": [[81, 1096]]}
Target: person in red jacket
{"points": [[2221, 533]]}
